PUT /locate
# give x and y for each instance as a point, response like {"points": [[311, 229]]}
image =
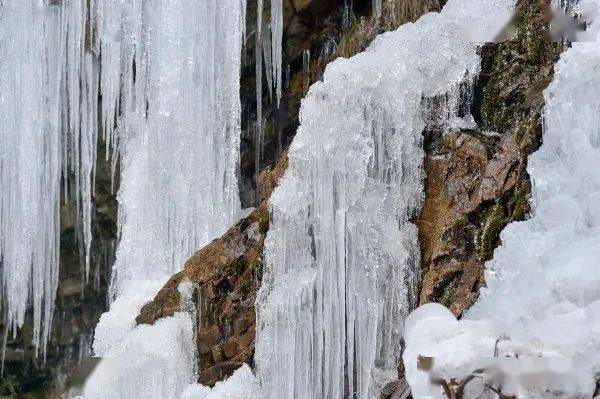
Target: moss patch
{"points": [[489, 235]]}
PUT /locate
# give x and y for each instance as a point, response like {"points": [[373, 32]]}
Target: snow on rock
{"points": [[114, 325], [154, 362], [341, 257], [542, 300], [241, 385]]}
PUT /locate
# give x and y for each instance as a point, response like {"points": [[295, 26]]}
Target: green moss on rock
{"points": [[494, 222]]}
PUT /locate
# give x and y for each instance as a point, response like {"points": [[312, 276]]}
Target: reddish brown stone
{"points": [[226, 272]]}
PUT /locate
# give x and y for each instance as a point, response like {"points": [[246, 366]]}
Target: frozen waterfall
{"points": [[178, 128], [172, 82], [540, 311], [341, 256]]}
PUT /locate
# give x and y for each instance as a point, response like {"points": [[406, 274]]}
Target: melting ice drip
{"points": [[341, 257], [48, 112], [542, 299]]}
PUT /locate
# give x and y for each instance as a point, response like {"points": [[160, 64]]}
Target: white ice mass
{"points": [[341, 257], [542, 301], [177, 135]]}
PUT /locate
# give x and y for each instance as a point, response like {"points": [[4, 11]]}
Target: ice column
{"points": [[341, 256]]}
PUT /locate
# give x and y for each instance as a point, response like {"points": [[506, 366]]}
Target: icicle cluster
{"points": [[540, 311], [268, 42], [172, 78], [170, 111], [341, 257], [48, 130]]}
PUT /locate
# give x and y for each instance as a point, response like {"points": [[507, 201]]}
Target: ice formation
{"points": [[542, 301], [377, 9], [341, 257], [48, 109], [178, 128], [268, 51], [276, 43], [241, 385], [172, 84], [153, 362]]}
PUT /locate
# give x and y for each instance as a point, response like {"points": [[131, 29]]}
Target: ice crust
{"points": [[341, 257], [542, 300]]}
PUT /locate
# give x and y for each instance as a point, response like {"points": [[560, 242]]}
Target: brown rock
{"points": [[477, 181], [226, 272], [231, 349]]}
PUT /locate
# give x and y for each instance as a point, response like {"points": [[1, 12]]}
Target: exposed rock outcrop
{"points": [[477, 181], [227, 273]]}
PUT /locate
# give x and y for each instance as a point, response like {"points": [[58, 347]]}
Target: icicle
{"points": [[53, 78], [30, 162], [277, 43], [266, 46], [4, 342], [347, 14], [377, 10], [258, 132], [306, 69]]}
